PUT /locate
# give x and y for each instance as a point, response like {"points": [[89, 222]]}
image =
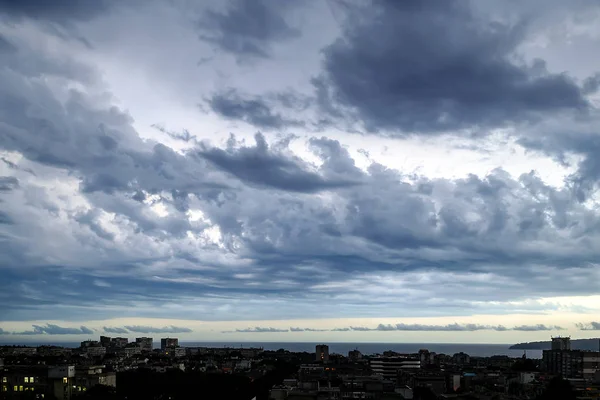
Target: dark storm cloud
{"points": [[565, 139], [97, 145], [264, 166], [152, 329], [430, 328], [248, 28], [259, 329], [90, 218], [14, 166], [592, 326], [6, 46], [437, 66], [8, 183], [539, 327], [591, 84], [51, 329], [482, 240], [292, 329], [184, 135], [5, 218], [116, 330], [412, 328], [55, 10], [439, 328], [255, 111]]}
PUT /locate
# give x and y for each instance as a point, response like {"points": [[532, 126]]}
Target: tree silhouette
{"points": [[558, 389]]}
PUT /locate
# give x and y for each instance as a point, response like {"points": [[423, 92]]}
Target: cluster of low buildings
{"points": [[429, 375], [59, 381], [62, 373]]}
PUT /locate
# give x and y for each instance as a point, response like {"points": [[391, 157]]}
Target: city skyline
{"points": [[337, 172]]}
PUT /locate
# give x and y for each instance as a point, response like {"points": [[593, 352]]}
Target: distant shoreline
{"points": [[576, 344]]}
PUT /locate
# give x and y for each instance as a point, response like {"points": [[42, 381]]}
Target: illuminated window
{"points": [[20, 388], [31, 380], [26, 379], [3, 379], [65, 380], [15, 389], [27, 389], [5, 388]]}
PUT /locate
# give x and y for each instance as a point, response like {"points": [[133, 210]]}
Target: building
{"points": [[322, 353], [570, 364], [145, 343], [95, 351], [415, 378], [461, 358], [119, 342], [426, 358], [561, 343], [87, 377], [59, 382], [20, 381], [354, 355], [129, 351], [168, 343], [175, 351], [104, 341], [90, 343], [389, 367]]}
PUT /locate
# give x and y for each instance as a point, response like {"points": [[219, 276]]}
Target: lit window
{"points": [[3, 379], [65, 380], [20, 388], [31, 380], [5, 388], [26, 379], [15, 389]]}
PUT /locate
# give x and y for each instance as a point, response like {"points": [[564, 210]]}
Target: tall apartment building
{"points": [[119, 342], [570, 364], [561, 343], [145, 343], [322, 353], [105, 341], [168, 343], [388, 367]]}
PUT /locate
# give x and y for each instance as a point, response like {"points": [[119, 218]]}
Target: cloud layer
{"points": [[592, 326], [450, 175], [151, 329], [410, 328], [51, 329]]}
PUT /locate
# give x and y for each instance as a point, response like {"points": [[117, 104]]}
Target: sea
{"points": [[474, 350]]}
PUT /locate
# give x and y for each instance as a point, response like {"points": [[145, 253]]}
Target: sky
{"points": [[310, 170]]}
